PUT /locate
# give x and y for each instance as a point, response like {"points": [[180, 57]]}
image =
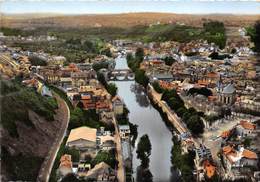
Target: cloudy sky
{"points": [[125, 6]]}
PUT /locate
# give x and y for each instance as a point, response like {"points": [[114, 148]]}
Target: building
{"points": [[246, 129], [203, 163], [238, 162], [118, 105], [84, 139], [65, 165], [227, 95], [127, 154], [124, 131], [56, 60], [101, 172]]}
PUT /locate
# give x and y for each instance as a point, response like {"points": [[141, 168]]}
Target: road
{"points": [[64, 115], [121, 169], [172, 117]]}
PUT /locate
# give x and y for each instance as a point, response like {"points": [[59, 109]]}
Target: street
{"points": [[63, 114], [120, 170]]}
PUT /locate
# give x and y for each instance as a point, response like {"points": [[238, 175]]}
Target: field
{"points": [[121, 20]]}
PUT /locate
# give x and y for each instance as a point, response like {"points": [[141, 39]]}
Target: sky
{"points": [[126, 6]]}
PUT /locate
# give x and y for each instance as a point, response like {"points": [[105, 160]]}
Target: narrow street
{"points": [[63, 114], [173, 118], [120, 170]]}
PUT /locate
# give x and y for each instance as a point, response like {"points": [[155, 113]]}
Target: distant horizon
{"points": [[92, 7], [67, 14]]}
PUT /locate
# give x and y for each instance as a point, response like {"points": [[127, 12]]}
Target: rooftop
{"points": [[247, 125], [84, 133], [229, 89]]}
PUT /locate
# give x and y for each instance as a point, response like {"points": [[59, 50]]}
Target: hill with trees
{"points": [[29, 126]]}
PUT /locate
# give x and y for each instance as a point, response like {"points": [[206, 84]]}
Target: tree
{"points": [[233, 51], [134, 132], [256, 38], [169, 60], [98, 66], [141, 78], [106, 52], [139, 54], [247, 142], [73, 152], [215, 32], [181, 111], [76, 117], [157, 87], [101, 78], [112, 89], [129, 57], [143, 150], [195, 124], [37, 61], [201, 91], [107, 157], [70, 178]]}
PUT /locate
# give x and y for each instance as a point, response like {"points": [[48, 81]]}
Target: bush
{"points": [[107, 157]]}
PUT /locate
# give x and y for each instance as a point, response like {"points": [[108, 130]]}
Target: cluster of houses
{"points": [[88, 142], [79, 82], [237, 158], [239, 151], [224, 85], [232, 81]]}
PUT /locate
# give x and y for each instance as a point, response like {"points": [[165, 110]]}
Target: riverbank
{"points": [[182, 164], [149, 121]]}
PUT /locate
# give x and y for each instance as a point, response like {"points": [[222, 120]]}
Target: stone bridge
{"points": [[121, 75]]}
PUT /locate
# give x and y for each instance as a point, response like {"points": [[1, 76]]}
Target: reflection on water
{"points": [[140, 95], [149, 122]]}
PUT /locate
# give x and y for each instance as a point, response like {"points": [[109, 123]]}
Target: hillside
{"points": [[29, 127], [122, 20]]}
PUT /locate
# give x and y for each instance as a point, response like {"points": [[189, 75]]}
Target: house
{"points": [[83, 138], [237, 160], [107, 116], [101, 172], [81, 78], [83, 169], [65, 82], [203, 162], [161, 76], [209, 168], [124, 131], [65, 165], [127, 154], [56, 60], [118, 105], [108, 145], [246, 129]]}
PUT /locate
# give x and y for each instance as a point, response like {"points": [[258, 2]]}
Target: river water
{"points": [[149, 122]]}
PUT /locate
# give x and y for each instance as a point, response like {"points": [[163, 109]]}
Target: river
{"points": [[149, 122]]}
